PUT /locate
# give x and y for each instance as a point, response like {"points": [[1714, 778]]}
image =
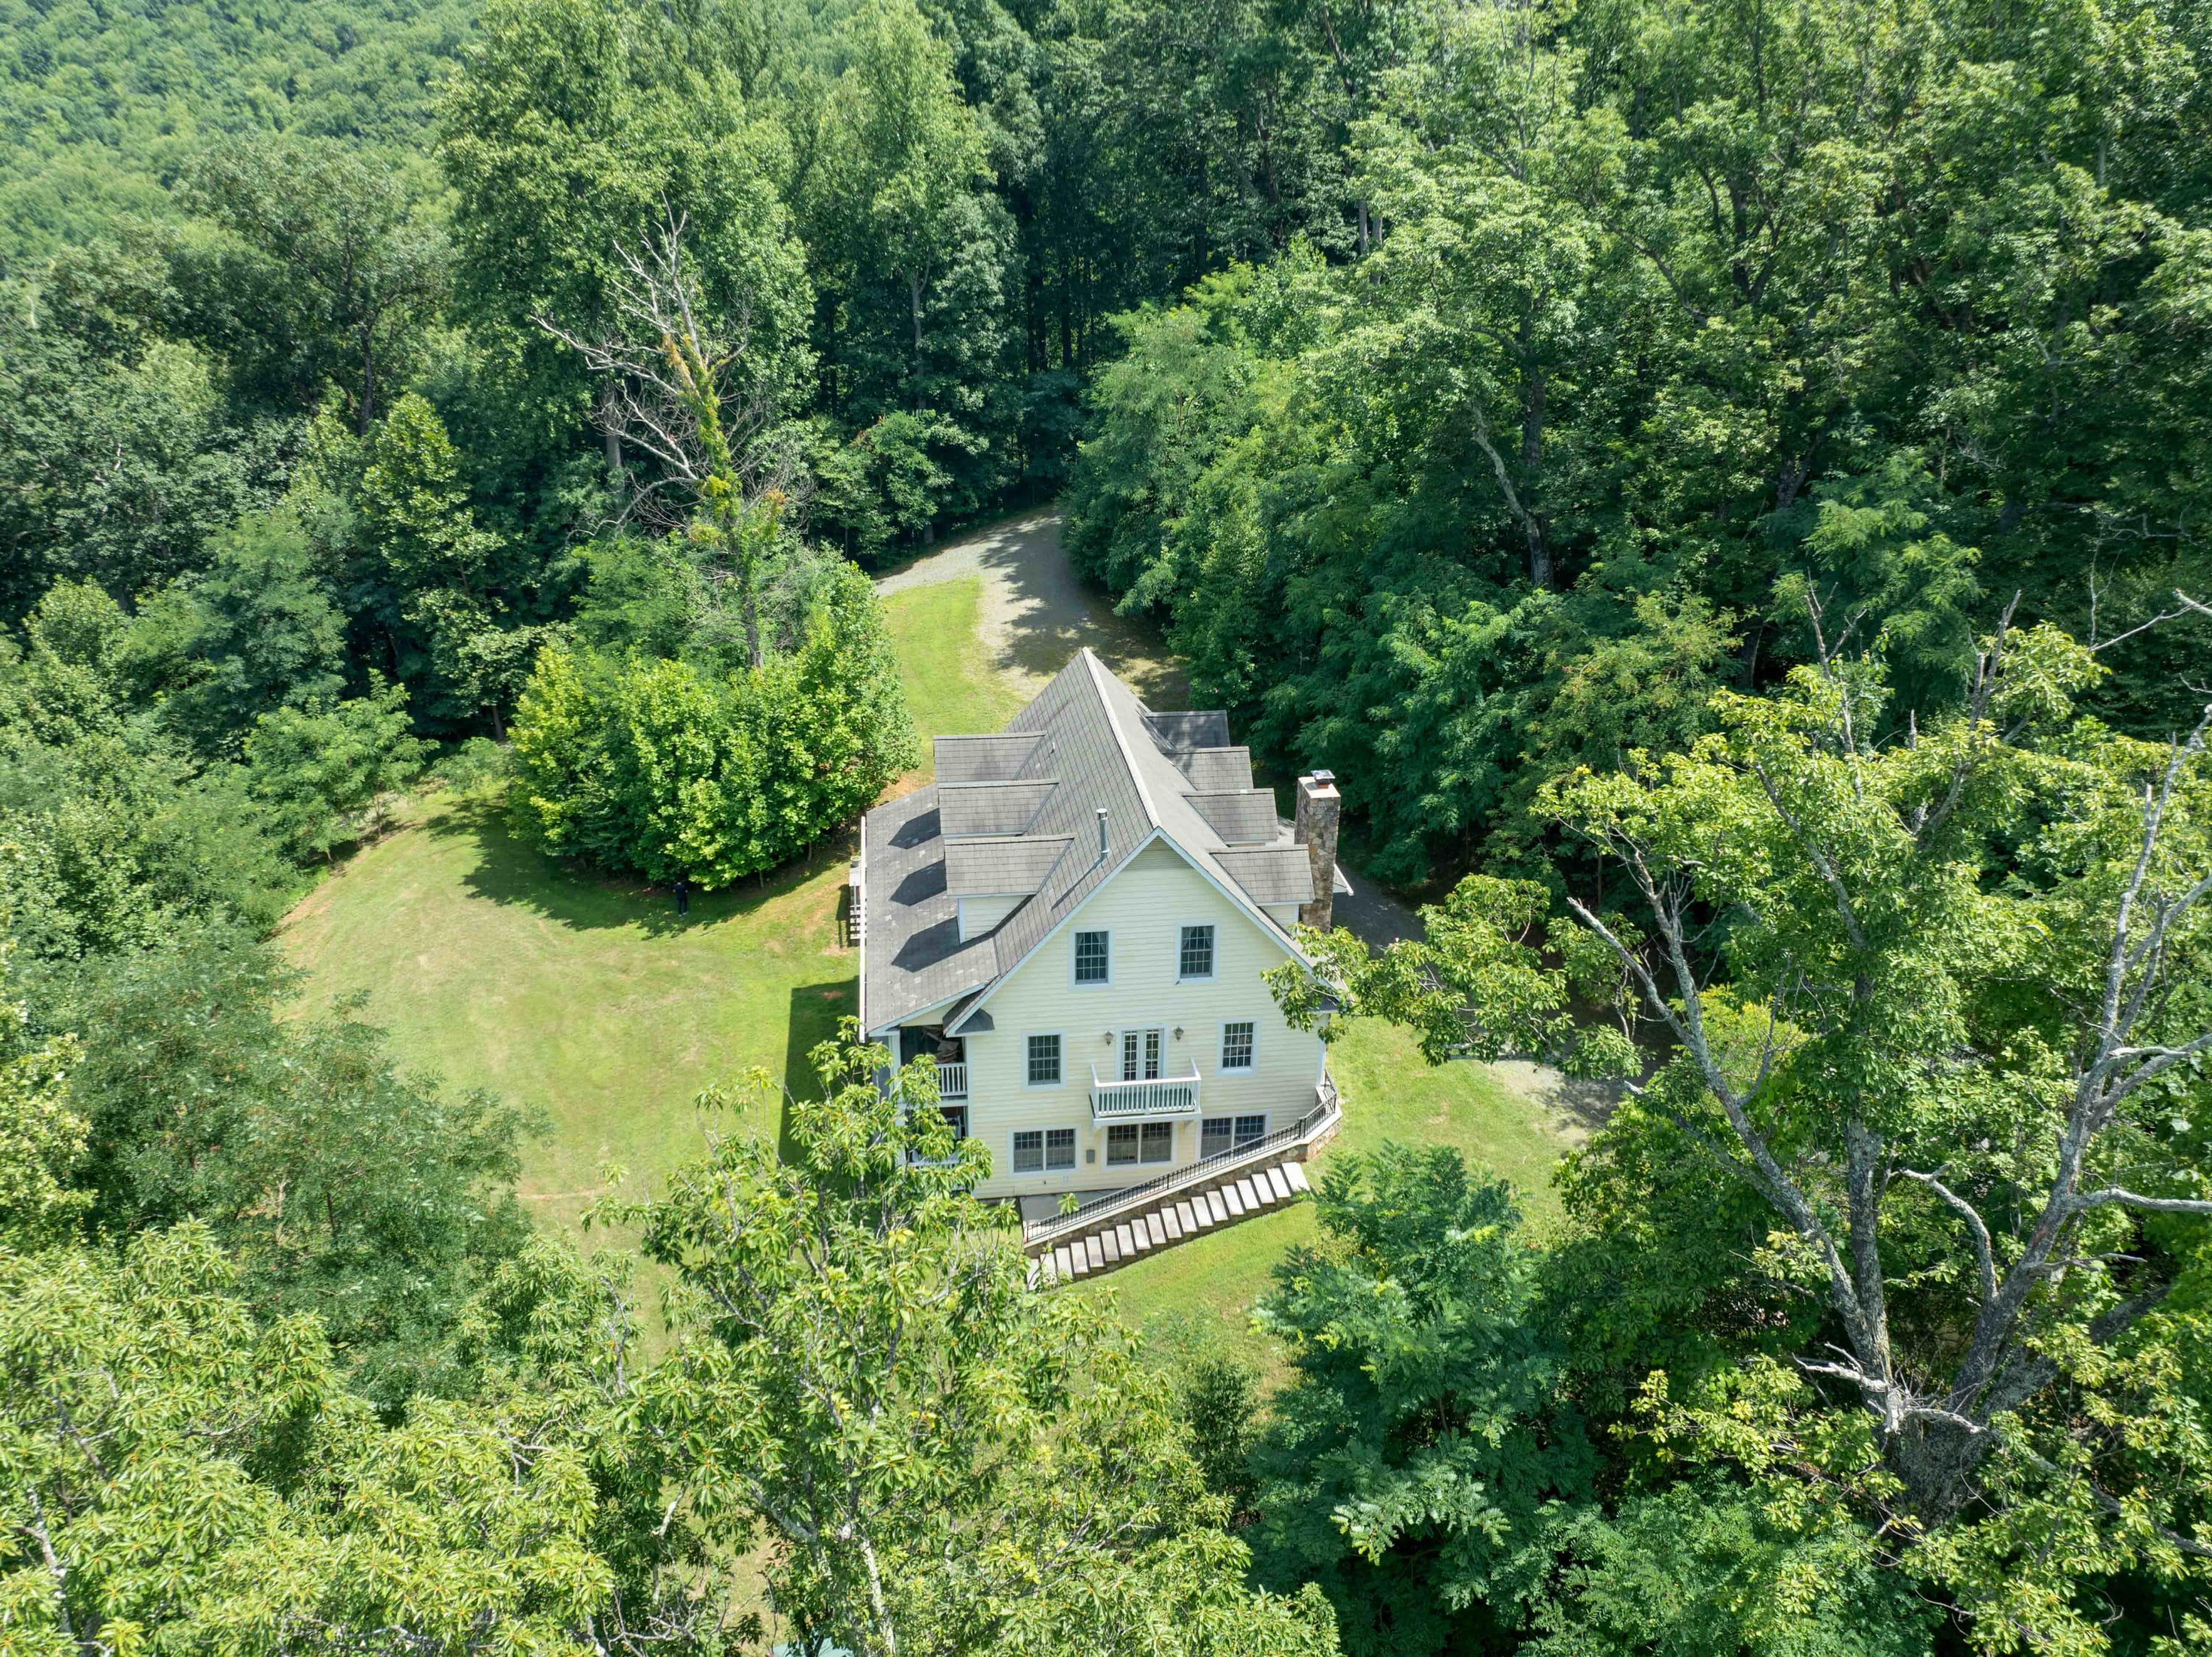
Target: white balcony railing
{"points": [[1131, 1101], [953, 1080]]}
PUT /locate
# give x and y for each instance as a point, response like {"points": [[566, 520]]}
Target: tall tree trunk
{"points": [[914, 298], [367, 383], [749, 602], [1532, 524], [1067, 319]]}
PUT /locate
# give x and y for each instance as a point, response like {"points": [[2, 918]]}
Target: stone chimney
{"points": [[1320, 806]]}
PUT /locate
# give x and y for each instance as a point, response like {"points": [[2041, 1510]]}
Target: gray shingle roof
{"points": [[1245, 818], [1180, 733], [1272, 875], [1002, 865], [982, 759], [1000, 807], [1217, 771], [1086, 744], [911, 955]]}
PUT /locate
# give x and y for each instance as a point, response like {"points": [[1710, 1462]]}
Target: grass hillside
{"points": [[1389, 1094], [949, 688], [501, 968]]}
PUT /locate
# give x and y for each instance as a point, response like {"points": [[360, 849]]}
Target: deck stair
{"points": [[1113, 1229]]}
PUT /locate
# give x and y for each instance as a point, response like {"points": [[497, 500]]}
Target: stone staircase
{"points": [[1170, 1223], [1112, 1230]]}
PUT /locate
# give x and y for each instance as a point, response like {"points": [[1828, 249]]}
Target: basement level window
{"points": [[1217, 1134], [1129, 1142]]}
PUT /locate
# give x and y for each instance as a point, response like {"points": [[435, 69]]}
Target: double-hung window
{"points": [[1028, 1151], [1093, 958], [1238, 1039], [1059, 1148], [1044, 1062], [1194, 954]]}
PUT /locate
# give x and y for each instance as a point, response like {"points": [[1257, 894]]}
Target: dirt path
{"points": [[1036, 613]]}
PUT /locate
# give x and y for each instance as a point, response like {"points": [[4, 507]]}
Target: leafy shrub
{"points": [[475, 766], [324, 772], [668, 769]]}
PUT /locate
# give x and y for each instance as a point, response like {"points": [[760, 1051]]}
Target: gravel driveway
{"points": [[1036, 614]]}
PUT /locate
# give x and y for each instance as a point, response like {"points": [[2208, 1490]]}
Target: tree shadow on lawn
{"points": [[812, 1020], [508, 870]]}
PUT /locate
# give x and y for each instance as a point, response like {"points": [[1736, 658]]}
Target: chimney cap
{"points": [[1322, 779]]}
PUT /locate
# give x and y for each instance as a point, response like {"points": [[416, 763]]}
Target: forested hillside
{"points": [[1692, 333], [103, 108], [1722, 482]]}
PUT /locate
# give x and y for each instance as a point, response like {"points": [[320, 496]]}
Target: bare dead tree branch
{"points": [[696, 401]]}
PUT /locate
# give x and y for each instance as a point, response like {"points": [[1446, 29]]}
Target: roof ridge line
{"points": [[1120, 739]]}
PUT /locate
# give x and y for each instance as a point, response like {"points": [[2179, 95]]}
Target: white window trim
{"points": [[1231, 1116], [1043, 1086], [1209, 977], [1074, 937], [1221, 1044]]}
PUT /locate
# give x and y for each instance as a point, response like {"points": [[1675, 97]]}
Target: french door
{"points": [[1140, 1055]]}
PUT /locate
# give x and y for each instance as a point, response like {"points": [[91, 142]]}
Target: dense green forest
{"points": [[1720, 481]]}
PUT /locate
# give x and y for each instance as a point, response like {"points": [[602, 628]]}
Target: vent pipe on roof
{"points": [[1101, 834]]}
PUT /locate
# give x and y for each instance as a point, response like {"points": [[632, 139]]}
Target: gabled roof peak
{"points": [[1084, 746]]}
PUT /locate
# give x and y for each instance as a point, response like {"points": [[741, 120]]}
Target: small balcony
{"points": [[1140, 1101], [952, 1079]]}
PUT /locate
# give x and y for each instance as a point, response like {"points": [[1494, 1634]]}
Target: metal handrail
{"points": [[1323, 1113]]}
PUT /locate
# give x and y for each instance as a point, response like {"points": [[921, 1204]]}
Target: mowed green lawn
{"points": [[1209, 1285], [950, 689], [591, 1000], [499, 968]]}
